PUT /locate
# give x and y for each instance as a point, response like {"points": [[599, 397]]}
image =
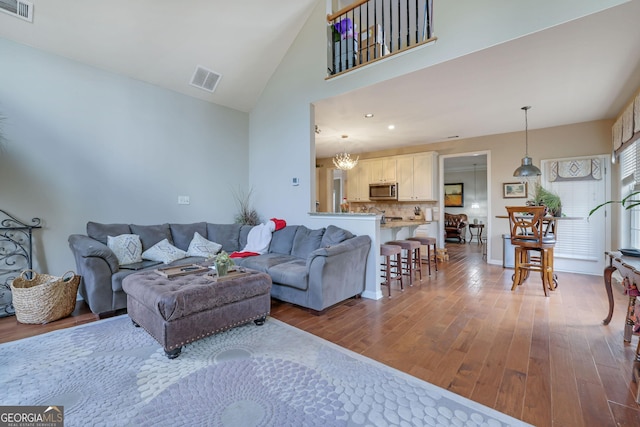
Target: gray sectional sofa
{"points": [[311, 268]]}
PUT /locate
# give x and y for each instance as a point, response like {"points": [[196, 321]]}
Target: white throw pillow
{"points": [[164, 251], [126, 247], [200, 246]]}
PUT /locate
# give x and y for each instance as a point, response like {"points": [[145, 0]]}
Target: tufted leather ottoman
{"points": [[179, 310]]}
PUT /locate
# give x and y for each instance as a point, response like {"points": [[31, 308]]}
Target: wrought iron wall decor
{"points": [[16, 254]]}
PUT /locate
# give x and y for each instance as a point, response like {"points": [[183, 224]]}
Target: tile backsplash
{"points": [[404, 210]]}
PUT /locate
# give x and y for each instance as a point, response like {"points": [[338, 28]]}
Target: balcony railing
{"points": [[369, 30]]}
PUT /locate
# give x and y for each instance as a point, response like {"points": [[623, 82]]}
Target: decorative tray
{"points": [[229, 276], [181, 270]]}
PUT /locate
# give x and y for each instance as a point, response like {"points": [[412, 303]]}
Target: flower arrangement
{"points": [[223, 263]]}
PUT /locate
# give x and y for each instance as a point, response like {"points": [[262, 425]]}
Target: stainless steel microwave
{"points": [[386, 191]]}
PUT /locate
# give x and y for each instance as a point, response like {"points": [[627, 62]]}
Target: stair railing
{"points": [[369, 30]]}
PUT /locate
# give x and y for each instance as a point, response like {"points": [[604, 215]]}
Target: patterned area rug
{"points": [[112, 373]]}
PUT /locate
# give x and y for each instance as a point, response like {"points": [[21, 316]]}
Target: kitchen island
{"points": [[370, 224]]}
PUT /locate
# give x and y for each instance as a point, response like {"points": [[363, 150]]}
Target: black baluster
{"points": [[417, 23]]}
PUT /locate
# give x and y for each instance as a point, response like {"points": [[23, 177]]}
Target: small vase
{"points": [[222, 269]]}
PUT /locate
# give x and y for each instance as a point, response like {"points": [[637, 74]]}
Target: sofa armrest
{"points": [[85, 247], [337, 272]]}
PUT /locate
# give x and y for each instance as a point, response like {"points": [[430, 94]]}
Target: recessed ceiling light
{"points": [[392, 127], [368, 115]]}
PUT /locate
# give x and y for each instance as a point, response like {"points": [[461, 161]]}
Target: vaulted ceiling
{"points": [[162, 42], [580, 71]]}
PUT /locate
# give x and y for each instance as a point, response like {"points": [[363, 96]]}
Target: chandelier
{"points": [[343, 161]]}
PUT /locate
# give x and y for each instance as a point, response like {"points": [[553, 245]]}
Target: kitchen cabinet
{"points": [[417, 178], [358, 182], [383, 170]]}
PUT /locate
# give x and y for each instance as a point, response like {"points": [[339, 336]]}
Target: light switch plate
{"points": [[183, 200]]}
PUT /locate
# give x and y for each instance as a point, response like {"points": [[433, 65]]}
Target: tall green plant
{"points": [[627, 203]]}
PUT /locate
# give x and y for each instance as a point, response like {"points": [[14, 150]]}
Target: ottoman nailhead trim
{"points": [[242, 322]]}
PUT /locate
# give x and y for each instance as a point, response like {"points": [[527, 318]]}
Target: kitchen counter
{"points": [[404, 223], [344, 214]]}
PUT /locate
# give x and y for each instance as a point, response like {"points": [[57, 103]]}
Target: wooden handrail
{"points": [[346, 9]]}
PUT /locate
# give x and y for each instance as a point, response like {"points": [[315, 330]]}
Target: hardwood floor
{"points": [[547, 361]]}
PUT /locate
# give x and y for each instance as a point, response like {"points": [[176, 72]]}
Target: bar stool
{"points": [[389, 251], [531, 231], [412, 251], [428, 242]]}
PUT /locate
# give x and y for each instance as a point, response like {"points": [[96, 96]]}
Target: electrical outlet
{"points": [[295, 181], [183, 200]]}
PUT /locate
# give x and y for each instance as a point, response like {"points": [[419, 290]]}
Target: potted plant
{"points": [[223, 263], [246, 214], [549, 199]]}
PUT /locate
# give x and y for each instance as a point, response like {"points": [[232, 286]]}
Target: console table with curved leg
{"points": [[629, 269]]}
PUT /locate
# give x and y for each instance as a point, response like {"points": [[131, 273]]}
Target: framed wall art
{"points": [[514, 190], [454, 195]]}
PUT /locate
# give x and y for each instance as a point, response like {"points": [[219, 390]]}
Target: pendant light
{"points": [[475, 204], [527, 169]]}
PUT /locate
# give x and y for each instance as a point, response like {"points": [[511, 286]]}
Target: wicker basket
{"points": [[44, 298]]}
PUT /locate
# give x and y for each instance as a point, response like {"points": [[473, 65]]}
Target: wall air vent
{"points": [[204, 79], [18, 8]]}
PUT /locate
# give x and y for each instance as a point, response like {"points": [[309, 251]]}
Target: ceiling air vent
{"points": [[204, 79], [18, 8]]}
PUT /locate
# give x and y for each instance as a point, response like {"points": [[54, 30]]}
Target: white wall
{"points": [[467, 178], [85, 144]]}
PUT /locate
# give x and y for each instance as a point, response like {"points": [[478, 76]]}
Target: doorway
{"points": [[472, 171]]}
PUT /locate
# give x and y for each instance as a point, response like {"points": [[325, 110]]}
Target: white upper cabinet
{"points": [[417, 178], [358, 182], [383, 170]]}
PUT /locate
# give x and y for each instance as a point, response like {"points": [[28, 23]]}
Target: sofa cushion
{"points": [[306, 241], [292, 273], [151, 234], [182, 234], [164, 252], [200, 246], [282, 240], [334, 235], [225, 234], [263, 262], [126, 247], [99, 232]]}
